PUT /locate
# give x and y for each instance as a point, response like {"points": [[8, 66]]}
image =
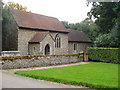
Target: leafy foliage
{"points": [[105, 31], [88, 26], [104, 12], [15, 6], [6, 29], [9, 32], [107, 16], [104, 40], [104, 54], [1, 10]]}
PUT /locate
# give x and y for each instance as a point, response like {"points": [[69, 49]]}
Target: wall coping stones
{"points": [[10, 53], [36, 61]]}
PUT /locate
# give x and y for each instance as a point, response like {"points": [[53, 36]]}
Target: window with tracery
{"points": [[57, 41]]}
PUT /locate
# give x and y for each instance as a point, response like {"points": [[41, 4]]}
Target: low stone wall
{"points": [[10, 53], [38, 61]]}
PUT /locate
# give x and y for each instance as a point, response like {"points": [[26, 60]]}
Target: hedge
{"points": [[109, 55]]}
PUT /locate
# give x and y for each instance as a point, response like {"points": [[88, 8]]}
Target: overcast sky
{"points": [[72, 11]]}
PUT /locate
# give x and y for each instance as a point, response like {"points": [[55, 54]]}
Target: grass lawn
{"points": [[94, 75]]}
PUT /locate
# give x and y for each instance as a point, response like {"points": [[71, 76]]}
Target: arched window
{"points": [[57, 41]]}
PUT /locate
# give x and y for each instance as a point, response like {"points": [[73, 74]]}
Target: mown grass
{"points": [[94, 75]]}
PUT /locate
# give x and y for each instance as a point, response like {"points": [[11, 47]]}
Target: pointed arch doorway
{"points": [[47, 49]]}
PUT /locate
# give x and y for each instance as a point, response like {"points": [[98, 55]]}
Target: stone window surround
{"points": [[57, 41], [75, 46]]}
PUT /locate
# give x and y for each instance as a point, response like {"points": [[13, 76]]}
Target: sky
{"points": [[72, 11]]}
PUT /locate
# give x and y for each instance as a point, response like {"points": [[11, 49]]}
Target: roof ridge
{"points": [[75, 30], [78, 36], [33, 13], [29, 20]]}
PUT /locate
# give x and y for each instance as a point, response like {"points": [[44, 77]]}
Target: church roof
{"points": [[73, 36], [38, 37], [36, 21], [77, 36], [28, 20]]}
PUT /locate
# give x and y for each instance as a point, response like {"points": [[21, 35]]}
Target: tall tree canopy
{"points": [[87, 25], [9, 24], [107, 15], [105, 31], [1, 10]]}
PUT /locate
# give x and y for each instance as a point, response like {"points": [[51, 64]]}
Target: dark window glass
{"points": [[75, 46], [57, 41]]}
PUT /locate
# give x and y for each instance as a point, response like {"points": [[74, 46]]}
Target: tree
{"points": [[66, 24], [103, 40], [15, 6], [88, 26], [0, 26], [1, 5], [9, 26], [106, 15]]}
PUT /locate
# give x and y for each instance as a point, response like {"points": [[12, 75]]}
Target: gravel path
{"points": [[35, 68]]}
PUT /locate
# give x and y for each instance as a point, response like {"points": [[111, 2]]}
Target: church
{"points": [[35, 34]]}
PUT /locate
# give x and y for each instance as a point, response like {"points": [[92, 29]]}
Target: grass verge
{"points": [[94, 75]]}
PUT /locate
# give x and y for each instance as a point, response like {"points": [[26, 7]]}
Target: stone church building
{"points": [[36, 34]]}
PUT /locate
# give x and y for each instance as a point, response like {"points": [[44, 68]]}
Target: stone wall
{"points": [[23, 38], [81, 47], [34, 49], [47, 40], [25, 35], [64, 43], [10, 53], [38, 61]]}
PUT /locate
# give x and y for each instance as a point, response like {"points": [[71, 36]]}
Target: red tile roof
{"points": [[36, 21], [77, 36], [40, 22], [73, 36], [38, 37]]}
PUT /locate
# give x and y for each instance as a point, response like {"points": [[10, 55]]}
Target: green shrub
{"points": [[103, 54]]}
